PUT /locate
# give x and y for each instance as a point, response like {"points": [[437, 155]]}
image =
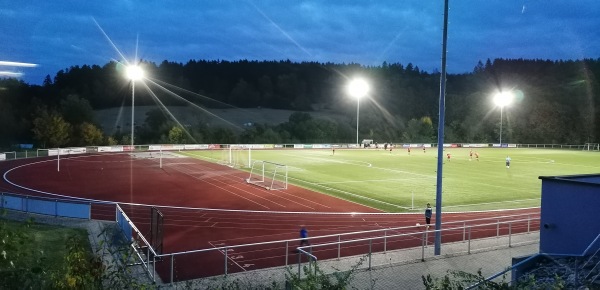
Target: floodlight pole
{"points": [[440, 159], [132, 111], [501, 109], [357, 115]]}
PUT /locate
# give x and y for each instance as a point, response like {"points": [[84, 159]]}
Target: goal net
{"points": [[272, 176], [235, 156], [591, 147]]}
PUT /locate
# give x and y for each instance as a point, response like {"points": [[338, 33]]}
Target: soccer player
{"points": [[428, 213], [333, 153], [470, 154], [476, 156], [423, 148], [508, 161], [409, 150], [448, 156]]}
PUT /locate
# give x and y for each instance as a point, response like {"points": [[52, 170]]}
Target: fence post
{"points": [[225, 252], [370, 252], [385, 241], [172, 267], [464, 230], [469, 246], [299, 262], [423, 247], [55, 208], [509, 234], [498, 229], [154, 268], [528, 223], [339, 245], [287, 244]]}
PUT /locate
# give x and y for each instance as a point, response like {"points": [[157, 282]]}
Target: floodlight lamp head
{"points": [[134, 72], [358, 88], [503, 99]]}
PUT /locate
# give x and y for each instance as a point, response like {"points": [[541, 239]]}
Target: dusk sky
{"points": [[59, 34]]}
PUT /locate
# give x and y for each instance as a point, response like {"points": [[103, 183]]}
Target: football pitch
{"points": [[398, 182]]}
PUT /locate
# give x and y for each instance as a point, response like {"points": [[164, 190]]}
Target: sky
{"points": [[59, 34]]}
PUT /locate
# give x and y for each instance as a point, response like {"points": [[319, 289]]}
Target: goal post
{"points": [[269, 175], [591, 147], [236, 156]]}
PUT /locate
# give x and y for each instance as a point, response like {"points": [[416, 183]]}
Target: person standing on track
{"points": [[428, 213], [304, 237]]}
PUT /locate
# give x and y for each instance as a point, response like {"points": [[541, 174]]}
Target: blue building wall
{"points": [[570, 213]]}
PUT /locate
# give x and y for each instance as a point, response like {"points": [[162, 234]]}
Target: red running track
{"points": [[208, 205]]}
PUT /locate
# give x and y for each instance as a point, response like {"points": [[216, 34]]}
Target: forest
{"points": [[555, 102]]}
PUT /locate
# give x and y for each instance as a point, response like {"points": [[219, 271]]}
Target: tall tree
{"points": [[50, 129]]}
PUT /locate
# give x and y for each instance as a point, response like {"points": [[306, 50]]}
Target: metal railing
{"points": [[590, 277], [455, 245], [387, 239], [135, 238]]}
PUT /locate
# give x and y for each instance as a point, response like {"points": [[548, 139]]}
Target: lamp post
{"points": [[502, 99], [134, 73], [358, 88]]}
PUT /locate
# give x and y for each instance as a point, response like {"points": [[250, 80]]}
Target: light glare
{"points": [[358, 88], [503, 99], [135, 72]]}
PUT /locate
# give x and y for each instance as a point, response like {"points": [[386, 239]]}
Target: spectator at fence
{"points": [[428, 214]]}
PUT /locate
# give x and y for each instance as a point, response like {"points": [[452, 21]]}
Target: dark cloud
{"points": [[59, 34]]}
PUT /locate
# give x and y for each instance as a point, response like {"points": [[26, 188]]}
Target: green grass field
{"points": [[395, 181]]}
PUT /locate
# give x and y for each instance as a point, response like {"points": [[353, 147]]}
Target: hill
{"points": [[114, 118]]}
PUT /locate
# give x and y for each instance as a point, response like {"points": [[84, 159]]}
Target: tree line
{"points": [[555, 102]]}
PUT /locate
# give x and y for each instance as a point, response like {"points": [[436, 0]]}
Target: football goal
{"points": [[591, 147], [272, 176], [236, 156]]}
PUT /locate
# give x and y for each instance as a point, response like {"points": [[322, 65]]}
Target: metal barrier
{"points": [[385, 240], [591, 276], [47, 206], [138, 242], [451, 247]]}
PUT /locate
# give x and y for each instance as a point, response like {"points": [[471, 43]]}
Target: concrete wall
{"points": [[569, 214]]}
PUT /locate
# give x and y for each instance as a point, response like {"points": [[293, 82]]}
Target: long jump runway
{"points": [[207, 205]]}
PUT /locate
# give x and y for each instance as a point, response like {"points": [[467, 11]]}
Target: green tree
{"points": [[419, 131], [76, 110], [50, 129], [176, 135], [90, 134]]}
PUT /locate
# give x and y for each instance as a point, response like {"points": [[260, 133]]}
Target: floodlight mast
{"points": [[358, 88], [440, 140], [134, 73], [501, 100]]}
